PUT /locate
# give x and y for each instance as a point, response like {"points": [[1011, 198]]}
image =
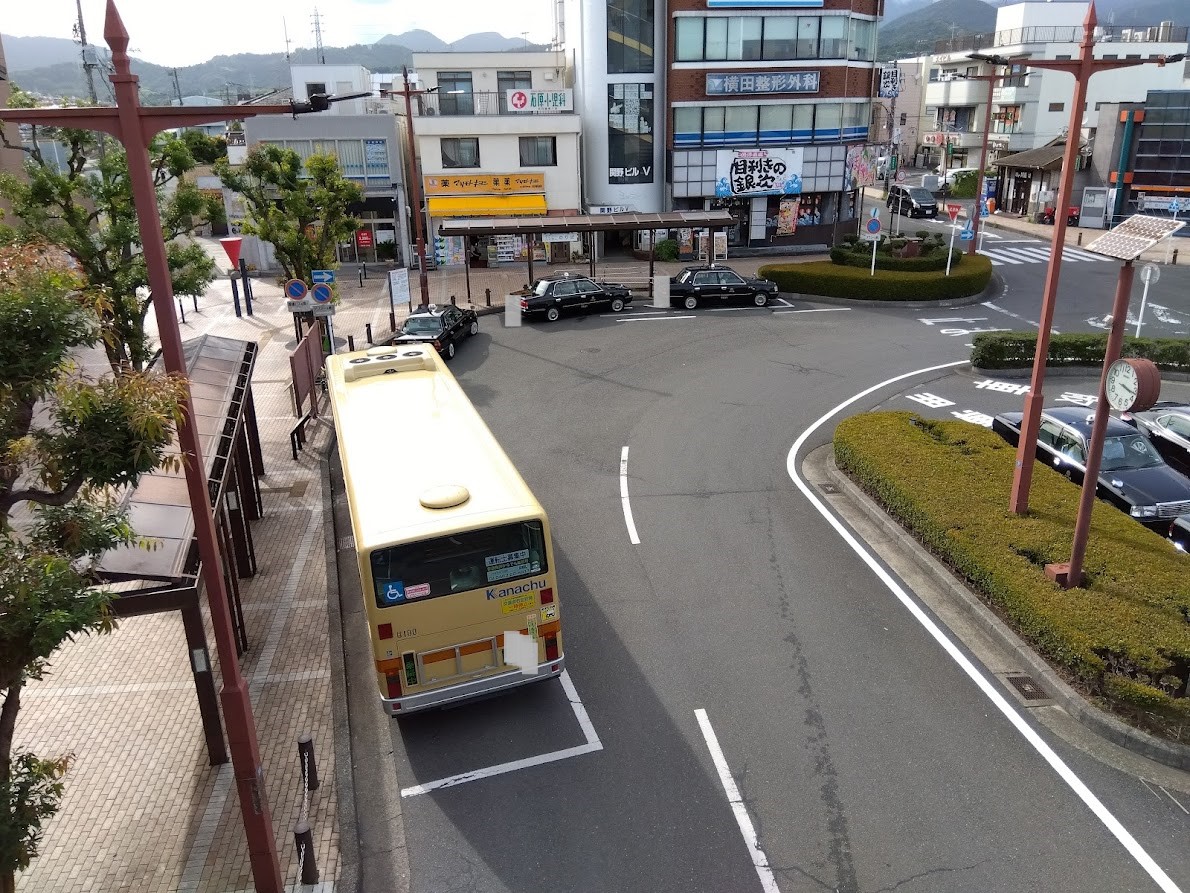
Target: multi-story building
{"points": [[1030, 106], [768, 107], [617, 47], [497, 136], [10, 159], [362, 136]]}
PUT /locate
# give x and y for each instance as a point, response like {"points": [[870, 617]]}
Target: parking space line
{"points": [[760, 861], [810, 310], [783, 302], [637, 313], [592, 745], [652, 318], [628, 522]]}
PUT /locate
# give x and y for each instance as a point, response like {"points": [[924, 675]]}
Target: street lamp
{"points": [[135, 126], [1126, 242], [415, 182], [1082, 68]]}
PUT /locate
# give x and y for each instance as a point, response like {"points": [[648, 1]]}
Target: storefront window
{"points": [[712, 124], [776, 122], [828, 120], [629, 36], [740, 123], [803, 121]]}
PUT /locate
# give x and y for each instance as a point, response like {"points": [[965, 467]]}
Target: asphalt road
{"points": [[864, 759]]}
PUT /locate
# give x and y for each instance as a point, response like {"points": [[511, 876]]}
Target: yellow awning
{"points": [[486, 205]]}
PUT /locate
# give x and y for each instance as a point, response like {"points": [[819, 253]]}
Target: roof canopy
{"points": [[587, 223], [1043, 158]]}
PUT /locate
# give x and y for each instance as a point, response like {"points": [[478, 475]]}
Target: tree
{"points": [[68, 444], [87, 209], [302, 210]]}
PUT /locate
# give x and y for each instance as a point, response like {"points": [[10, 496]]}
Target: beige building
{"points": [[10, 159]]}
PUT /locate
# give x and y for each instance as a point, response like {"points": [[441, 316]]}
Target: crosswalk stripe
{"points": [[1000, 257], [1083, 255], [1028, 255]]}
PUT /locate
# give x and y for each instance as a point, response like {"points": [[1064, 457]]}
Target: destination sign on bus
{"points": [[510, 564]]}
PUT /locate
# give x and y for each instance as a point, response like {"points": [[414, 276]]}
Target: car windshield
{"points": [[422, 325], [686, 275], [1129, 451], [542, 286], [921, 195]]}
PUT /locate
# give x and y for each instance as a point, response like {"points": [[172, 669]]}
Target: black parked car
{"points": [[1167, 426], [717, 284], [556, 295], [1132, 475], [444, 327]]}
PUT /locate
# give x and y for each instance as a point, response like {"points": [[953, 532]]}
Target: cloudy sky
{"points": [[192, 32]]}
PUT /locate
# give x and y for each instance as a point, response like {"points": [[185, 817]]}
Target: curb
{"points": [[1107, 726]]}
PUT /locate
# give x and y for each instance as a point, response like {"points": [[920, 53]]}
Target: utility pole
{"points": [[415, 188], [177, 87], [317, 20], [89, 65]]}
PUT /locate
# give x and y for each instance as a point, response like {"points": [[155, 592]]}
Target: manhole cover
{"points": [[1029, 689], [828, 488]]}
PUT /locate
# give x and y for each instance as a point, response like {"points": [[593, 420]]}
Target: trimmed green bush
{"points": [[666, 249], [1014, 350], [1124, 637], [929, 260], [969, 276]]}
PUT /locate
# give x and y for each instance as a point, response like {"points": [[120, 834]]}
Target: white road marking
{"points": [[991, 305], [726, 309], [989, 690], [636, 313], [592, 745], [652, 318], [783, 302], [812, 310], [768, 880], [1175, 800], [628, 522]]}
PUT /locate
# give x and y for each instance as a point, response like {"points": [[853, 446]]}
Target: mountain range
{"points": [[52, 66]]}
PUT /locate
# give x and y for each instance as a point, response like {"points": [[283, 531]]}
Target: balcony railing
{"points": [[1163, 33], [455, 104]]}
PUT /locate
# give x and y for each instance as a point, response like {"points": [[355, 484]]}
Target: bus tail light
{"points": [[551, 648], [547, 595], [385, 631], [394, 686]]}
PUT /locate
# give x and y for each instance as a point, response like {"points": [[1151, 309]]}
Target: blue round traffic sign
{"points": [[873, 225], [295, 289], [321, 293]]}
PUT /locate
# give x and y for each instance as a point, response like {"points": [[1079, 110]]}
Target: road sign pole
{"points": [[1144, 297], [1149, 275], [950, 250], [874, 241]]}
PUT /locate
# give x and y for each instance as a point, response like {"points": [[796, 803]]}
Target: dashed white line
{"points": [[628, 522], [768, 880], [1046, 752], [592, 745]]}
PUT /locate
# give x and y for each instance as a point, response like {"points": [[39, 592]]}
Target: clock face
{"points": [[1122, 385]]}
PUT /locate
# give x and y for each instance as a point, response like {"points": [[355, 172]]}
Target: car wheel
{"points": [[617, 305], [690, 302], [761, 299], [450, 350], [474, 330], [552, 314]]}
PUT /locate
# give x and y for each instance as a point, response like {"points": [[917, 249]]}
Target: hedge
{"points": [[969, 276], [932, 262], [1014, 350], [1124, 637]]}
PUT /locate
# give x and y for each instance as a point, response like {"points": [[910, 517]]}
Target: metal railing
{"points": [[471, 104], [1166, 32]]}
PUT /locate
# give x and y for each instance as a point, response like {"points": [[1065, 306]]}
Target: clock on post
{"points": [[1132, 384]]}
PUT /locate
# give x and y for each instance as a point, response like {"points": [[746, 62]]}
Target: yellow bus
{"points": [[454, 552]]}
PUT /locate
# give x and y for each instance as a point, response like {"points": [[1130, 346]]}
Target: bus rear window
{"points": [[472, 559]]}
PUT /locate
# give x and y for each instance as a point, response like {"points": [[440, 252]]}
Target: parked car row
{"points": [[1145, 464]]}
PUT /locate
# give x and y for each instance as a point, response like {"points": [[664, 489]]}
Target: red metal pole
{"points": [[415, 182], [983, 164], [1030, 423], [1082, 526], [135, 133]]}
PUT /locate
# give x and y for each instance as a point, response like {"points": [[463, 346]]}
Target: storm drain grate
{"points": [[1029, 689], [828, 488]]}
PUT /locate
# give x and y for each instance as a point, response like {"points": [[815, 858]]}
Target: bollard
{"points": [[487, 296], [1080, 238], [368, 332], [452, 301], [392, 321], [247, 282], [303, 839], [364, 269], [1175, 257], [235, 297], [181, 311], [350, 343], [195, 303], [306, 759], [361, 278]]}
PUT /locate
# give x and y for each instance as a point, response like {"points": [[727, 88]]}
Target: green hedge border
{"points": [[969, 276], [932, 262], [1015, 350], [1125, 637]]}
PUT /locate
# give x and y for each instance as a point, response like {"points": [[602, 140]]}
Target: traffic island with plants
{"points": [[1123, 640], [908, 268], [1015, 350]]}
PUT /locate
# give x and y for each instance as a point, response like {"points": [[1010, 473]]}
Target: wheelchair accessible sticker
{"points": [[394, 592]]}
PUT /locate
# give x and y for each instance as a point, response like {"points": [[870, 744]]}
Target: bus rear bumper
{"points": [[475, 689]]}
